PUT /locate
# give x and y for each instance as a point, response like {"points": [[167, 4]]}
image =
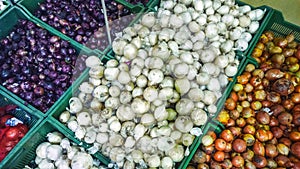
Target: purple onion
{"points": [[36, 65]]}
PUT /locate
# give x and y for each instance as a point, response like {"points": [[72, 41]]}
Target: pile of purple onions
{"points": [[36, 65], [83, 20]]}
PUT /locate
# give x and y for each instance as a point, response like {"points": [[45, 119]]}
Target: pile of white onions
{"points": [[59, 153], [143, 110]]}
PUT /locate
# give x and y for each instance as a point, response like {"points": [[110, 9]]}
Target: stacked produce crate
{"points": [[56, 52]]}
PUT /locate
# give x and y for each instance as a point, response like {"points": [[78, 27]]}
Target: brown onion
{"points": [[258, 148], [249, 139], [273, 97], [238, 161], [285, 118], [199, 157], [248, 155], [283, 86], [277, 109], [202, 166], [273, 121], [262, 117], [282, 160], [277, 132], [296, 118], [259, 161], [249, 129], [273, 74], [226, 135], [239, 145], [295, 149], [288, 104], [261, 135], [295, 136], [220, 144], [271, 150], [296, 98], [219, 156]]}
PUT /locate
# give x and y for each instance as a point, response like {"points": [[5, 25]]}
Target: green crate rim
{"points": [[38, 116]]}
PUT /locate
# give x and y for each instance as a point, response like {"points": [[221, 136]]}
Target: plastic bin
{"points": [[10, 19], [31, 118], [26, 152], [65, 103], [31, 7]]}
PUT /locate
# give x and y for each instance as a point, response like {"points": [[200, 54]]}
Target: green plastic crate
{"points": [[30, 6], [220, 104], [255, 37], [64, 103], [10, 18], [31, 118], [26, 152], [280, 28]]}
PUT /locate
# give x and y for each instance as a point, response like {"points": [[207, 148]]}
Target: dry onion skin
{"points": [[144, 108], [262, 112]]}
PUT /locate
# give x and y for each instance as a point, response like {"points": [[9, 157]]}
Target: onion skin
{"points": [[239, 145]]}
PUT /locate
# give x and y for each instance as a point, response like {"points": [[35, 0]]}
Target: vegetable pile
{"points": [[36, 65], [59, 153], [12, 130], [262, 113], [145, 108], [83, 20]]}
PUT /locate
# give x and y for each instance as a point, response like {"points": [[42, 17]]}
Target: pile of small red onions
{"points": [[84, 20], [9, 135], [262, 114], [36, 65]]}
